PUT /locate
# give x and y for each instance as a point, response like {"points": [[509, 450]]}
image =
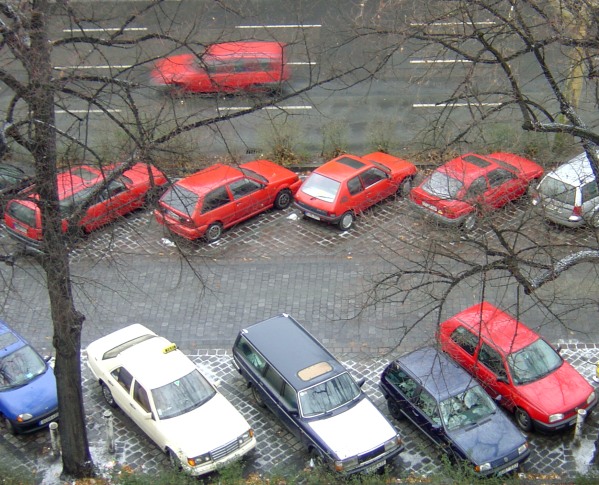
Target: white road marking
{"points": [[117, 66], [85, 111], [439, 61], [453, 105], [106, 29], [241, 108], [445, 24], [289, 26]]}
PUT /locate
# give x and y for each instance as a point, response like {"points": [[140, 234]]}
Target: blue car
{"points": [[28, 399], [449, 406]]}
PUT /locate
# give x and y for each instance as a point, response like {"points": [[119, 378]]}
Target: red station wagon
{"points": [[517, 367], [348, 185], [457, 191], [126, 193], [214, 199], [226, 67]]}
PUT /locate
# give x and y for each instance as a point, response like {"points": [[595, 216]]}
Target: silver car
{"points": [[569, 194]]}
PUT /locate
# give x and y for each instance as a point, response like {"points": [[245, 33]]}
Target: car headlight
{"points": [[523, 448], [591, 398], [348, 464], [482, 468], [245, 437], [393, 443], [556, 417], [199, 460], [21, 418]]}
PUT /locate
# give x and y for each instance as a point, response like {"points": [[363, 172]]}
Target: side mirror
{"points": [[361, 382], [498, 398]]}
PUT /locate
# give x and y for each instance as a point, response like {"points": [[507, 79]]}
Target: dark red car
{"points": [[214, 199], [461, 189], [227, 67], [75, 186], [348, 185], [517, 367]]}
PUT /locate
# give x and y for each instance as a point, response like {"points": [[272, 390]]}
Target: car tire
{"points": [[394, 409], [257, 397], [405, 187], [346, 221], [214, 232], [470, 222], [523, 419], [173, 461], [316, 459], [283, 199], [108, 395], [9, 426]]}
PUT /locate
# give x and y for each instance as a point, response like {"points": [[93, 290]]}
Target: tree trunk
{"points": [[67, 321]]}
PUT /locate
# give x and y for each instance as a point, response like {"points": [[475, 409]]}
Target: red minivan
{"points": [[216, 198], [227, 67]]}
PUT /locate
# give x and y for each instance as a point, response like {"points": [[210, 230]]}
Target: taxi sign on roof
{"points": [[169, 348]]}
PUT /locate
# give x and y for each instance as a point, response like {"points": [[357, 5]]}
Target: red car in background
{"points": [[227, 67], [348, 185], [471, 184], [111, 200], [517, 367], [214, 199]]}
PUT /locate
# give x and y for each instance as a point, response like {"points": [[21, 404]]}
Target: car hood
{"points": [[490, 440], [37, 398], [355, 431], [210, 426], [271, 171], [561, 391], [173, 65]]}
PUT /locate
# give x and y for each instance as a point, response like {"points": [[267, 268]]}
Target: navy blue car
{"points": [[28, 399], [454, 411]]}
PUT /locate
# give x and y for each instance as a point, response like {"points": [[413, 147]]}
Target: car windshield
{"points": [[254, 175], [533, 362], [555, 189], [442, 185], [181, 199], [321, 187], [20, 367], [183, 395], [328, 395], [467, 408]]}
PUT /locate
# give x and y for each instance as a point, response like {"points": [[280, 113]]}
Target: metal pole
{"points": [[582, 413], [109, 430], [54, 438]]}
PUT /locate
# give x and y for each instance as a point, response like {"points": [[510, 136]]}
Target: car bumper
{"points": [[30, 244], [316, 215], [508, 467], [374, 465], [221, 462], [38, 423], [566, 423], [177, 228], [436, 217]]}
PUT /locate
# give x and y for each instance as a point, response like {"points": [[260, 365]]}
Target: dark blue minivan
{"points": [[292, 374], [449, 406]]}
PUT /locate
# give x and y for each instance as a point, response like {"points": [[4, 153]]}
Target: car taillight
{"points": [[577, 211]]}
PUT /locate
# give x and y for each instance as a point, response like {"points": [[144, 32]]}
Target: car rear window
{"points": [[180, 199], [22, 213], [553, 188], [442, 185], [84, 173], [7, 339], [351, 162], [477, 161], [321, 187], [590, 191]]}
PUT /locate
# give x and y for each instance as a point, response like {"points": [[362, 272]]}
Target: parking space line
{"points": [[439, 61], [301, 63], [446, 24]]}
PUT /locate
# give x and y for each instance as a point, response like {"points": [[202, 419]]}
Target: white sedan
{"points": [[166, 395]]}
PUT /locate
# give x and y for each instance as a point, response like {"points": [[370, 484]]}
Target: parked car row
{"points": [[212, 200]]}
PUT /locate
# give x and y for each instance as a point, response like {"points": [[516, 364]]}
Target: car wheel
{"points": [[257, 397], [523, 420], [214, 232], [346, 221], [108, 396], [283, 199], [394, 409], [316, 459], [173, 461], [470, 223], [9, 426], [405, 187]]}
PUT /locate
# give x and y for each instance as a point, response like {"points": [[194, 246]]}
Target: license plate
{"points": [[312, 216], [20, 228], [49, 418], [508, 469], [373, 468]]}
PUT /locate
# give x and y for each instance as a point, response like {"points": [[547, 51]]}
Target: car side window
{"points": [[492, 360], [354, 186], [589, 191], [123, 377], [115, 187], [372, 176], [243, 187], [141, 397], [215, 199], [403, 382], [290, 396], [465, 339], [477, 188], [251, 355], [499, 176], [428, 406], [274, 380]]}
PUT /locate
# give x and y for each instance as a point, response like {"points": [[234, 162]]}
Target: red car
{"points": [[348, 185], [459, 190], [214, 199], [226, 67], [121, 196], [517, 367]]}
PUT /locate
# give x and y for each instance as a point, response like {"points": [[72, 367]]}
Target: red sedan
{"points": [[75, 186], [214, 199], [517, 367], [461, 189], [348, 185]]}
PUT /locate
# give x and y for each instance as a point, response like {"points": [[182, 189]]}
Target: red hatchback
{"points": [[214, 199], [348, 185], [517, 367], [122, 195], [457, 191], [226, 67]]}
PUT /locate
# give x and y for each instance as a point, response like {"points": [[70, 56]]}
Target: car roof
{"points": [[436, 372], [270, 49], [9, 340], [577, 171], [343, 167], [290, 348], [204, 181], [494, 325], [468, 167]]}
